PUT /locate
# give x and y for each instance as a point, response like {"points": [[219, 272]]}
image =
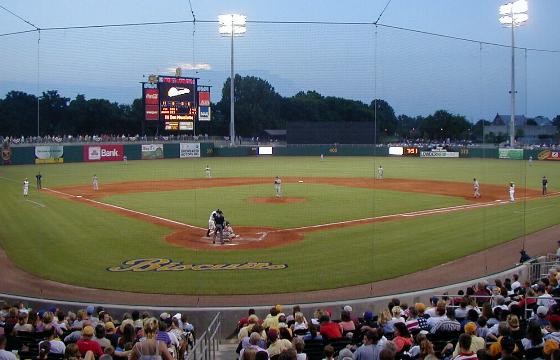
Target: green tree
{"points": [[18, 114]]}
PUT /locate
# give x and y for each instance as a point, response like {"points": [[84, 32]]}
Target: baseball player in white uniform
{"points": [[211, 225], [476, 188], [511, 191], [95, 182], [25, 187], [208, 172], [380, 172], [278, 186]]}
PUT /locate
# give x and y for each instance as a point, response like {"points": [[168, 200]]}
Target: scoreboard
{"points": [[172, 102], [411, 151]]}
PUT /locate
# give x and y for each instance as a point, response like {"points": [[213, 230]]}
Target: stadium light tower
{"points": [[232, 25], [513, 14]]}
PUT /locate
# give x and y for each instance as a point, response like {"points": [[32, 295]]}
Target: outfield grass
{"points": [[75, 243]]}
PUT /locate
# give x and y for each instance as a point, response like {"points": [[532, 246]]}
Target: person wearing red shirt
{"points": [[85, 344], [328, 329]]}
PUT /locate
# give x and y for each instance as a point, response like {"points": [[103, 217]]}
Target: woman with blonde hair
{"points": [[150, 348], [384, 320]]}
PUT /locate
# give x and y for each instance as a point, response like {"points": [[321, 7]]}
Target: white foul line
{"points": [[127, 210], [36, 203]]}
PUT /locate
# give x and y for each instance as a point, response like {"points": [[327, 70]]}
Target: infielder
{"points": [[278, 186], [511, 191], [544, 185], [380, 172], [211, 225], [25, 187], [95, 183], [208, 172], [476, 188]]}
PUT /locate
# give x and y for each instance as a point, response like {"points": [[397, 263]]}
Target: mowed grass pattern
{"points": [[74, 243]]}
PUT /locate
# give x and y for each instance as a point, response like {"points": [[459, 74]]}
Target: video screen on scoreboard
{"points": [[177, 102], [411, 151]]}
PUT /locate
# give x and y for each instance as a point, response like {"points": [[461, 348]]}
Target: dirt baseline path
{"points": [[260, 237]]}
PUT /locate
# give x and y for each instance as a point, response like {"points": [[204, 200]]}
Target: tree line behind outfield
{"points": [[258, 107]]}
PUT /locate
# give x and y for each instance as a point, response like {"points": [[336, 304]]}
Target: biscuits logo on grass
{"points": [[162, 264]]}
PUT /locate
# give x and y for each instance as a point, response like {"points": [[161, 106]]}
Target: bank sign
{"points": [[103, 152]]}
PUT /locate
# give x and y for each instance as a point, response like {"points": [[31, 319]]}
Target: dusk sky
{"points": [[416, 73]]}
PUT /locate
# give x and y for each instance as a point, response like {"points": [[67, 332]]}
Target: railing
{"points": [[207, 344]]}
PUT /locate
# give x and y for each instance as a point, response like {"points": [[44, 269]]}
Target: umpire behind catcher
{"points": [[219, 223]]}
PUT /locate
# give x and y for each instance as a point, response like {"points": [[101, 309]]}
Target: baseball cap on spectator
{"points": [[87, 331], [368, 315], [347, 308], [41, 312], [550, 346], [178, 316], [470, 327], [164, 316], [90, 309], [434, 300], [52, 309], [542, 310], [109, 326]]}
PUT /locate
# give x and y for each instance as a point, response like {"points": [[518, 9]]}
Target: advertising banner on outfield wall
{"points": [[49, 154], [439, 154], [103, 152], [189, 150], [512, 154], [549, 155], [152, 151]]}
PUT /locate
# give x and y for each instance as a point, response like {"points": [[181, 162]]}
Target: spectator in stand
{"points": [[22, 324], [300, 324], [137, 323], [100, 336], [329, 329], [245, 331], [72, 352], [447, 323], [431, 310], [514, 328], [299, 345], [427, 351], [384, 320], [482, 329], [244, 321], [482, 294], [515, 284], [370, 349], [150, 346], [422, 317], [276, 345], [346, 324], [5, 355], [313, 335], [328, 351], [534, 337], [271, 320], [412, 320], [550, 350], [477, 343], [554, 333], [508, 347], [86, 343], [487, 312], [402, 338], [255, 342], [128, 336], [544, 298], [110, 333], [56, 346], [439, 314], [464, 345], [368, 322], [261, 355]]}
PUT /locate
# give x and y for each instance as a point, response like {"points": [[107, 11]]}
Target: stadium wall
{"points": [[27, 154]]}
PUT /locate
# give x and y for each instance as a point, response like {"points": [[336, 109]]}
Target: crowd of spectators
{"points": [[103, 138], [91, 333], [506, 320]]}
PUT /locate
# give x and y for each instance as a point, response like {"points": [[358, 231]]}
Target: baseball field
{"points": [[335, 225]]}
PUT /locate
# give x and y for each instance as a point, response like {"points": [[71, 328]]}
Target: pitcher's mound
{"points": [[277, 200]]}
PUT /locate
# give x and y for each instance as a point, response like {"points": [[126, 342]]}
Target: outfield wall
{"points": [[45, 154]]}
